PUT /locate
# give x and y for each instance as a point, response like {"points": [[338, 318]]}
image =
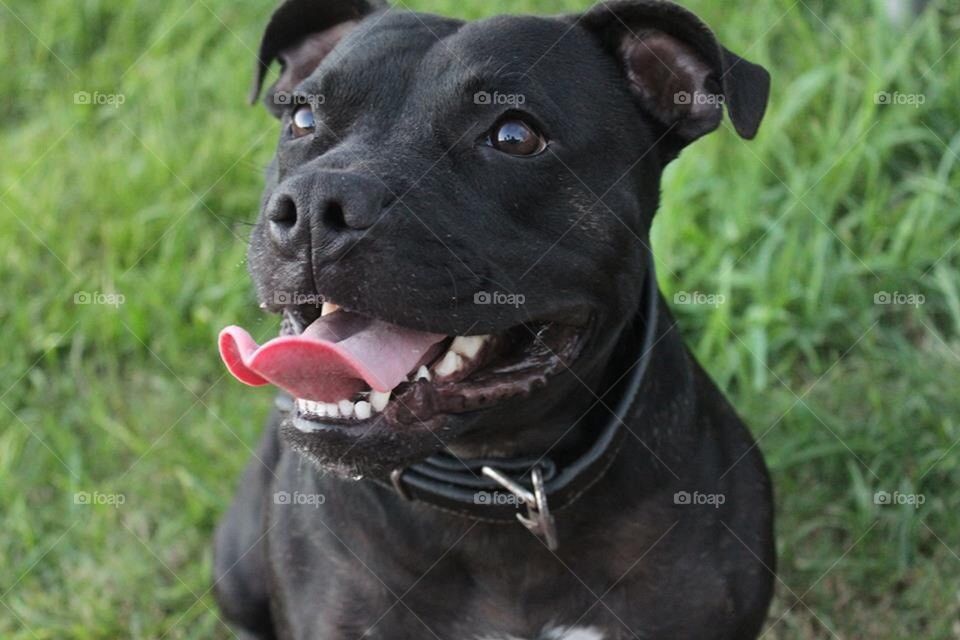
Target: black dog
{"points": [[496, 181]]}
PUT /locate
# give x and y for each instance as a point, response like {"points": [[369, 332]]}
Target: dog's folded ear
{"points": [[300, 34], [677, 70]]}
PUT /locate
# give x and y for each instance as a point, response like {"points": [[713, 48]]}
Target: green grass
{"points": [[837, 199]]}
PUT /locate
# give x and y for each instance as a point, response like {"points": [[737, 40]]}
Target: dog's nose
{"points": [[330, 203]]}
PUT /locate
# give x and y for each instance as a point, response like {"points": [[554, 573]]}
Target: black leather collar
{"points": [[495, 490]]}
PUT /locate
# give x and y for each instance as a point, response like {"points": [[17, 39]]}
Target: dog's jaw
{"points": [[373, 431]]}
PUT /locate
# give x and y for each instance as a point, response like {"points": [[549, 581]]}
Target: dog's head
{"points": [[472, 202]]}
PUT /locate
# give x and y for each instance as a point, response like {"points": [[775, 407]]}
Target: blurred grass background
{"points": [[839, 198]]}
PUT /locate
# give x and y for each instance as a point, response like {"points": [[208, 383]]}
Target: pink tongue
{"points": [[333, 359]]}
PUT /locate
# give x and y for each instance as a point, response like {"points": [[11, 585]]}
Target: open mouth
{"points": [[347, 369]]}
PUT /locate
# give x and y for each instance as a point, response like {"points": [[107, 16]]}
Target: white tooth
{"points": [[301, 405], [320, 409], [423, 373], [333, 411], [303, 425], [379, 400], [346, 408], [468, 346], [328, 307], [362, 410], [450, 364]]}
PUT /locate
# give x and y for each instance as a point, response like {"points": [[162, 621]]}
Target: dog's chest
{"points": [[364, 602], [556, 633], [358, 609]]}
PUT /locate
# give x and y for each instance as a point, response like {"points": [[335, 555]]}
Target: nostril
{"points": [[333, 216], [283, 213]]}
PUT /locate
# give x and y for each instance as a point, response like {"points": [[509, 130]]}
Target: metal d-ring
{"points": [[538, 519]]}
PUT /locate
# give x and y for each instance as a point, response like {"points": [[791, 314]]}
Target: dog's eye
{"points": [[517, 138], [303, 121]]}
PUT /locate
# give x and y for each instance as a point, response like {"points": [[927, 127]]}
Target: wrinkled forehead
{"points": [[518, 43], [382, 55], [394, 54], [541, 53]]}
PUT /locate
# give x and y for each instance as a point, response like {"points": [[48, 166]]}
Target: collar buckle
{"points": [[538, 519]]}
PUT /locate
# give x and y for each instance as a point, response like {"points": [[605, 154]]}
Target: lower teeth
{"points": [[366, 404]]}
